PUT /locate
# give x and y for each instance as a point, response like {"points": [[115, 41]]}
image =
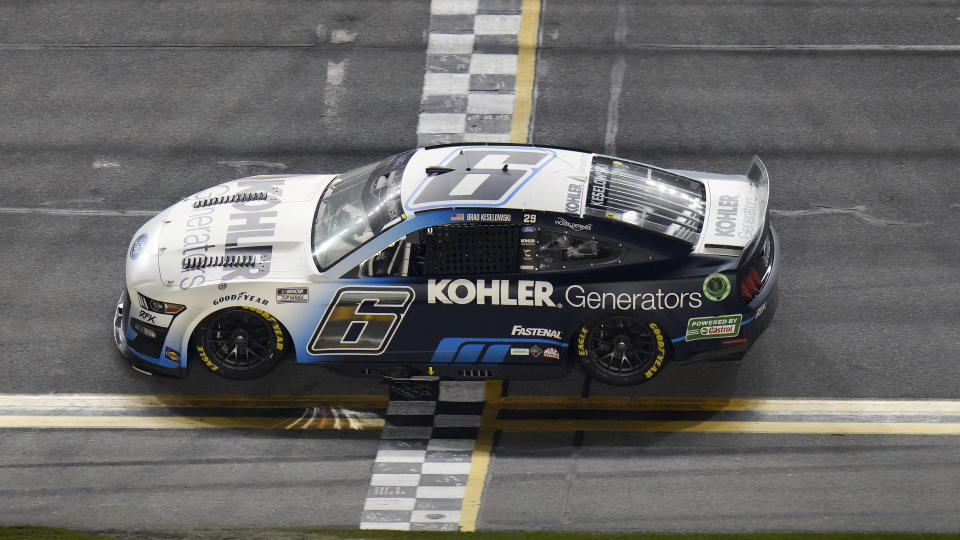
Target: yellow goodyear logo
{"points": [[661, 352], [582, 341]]}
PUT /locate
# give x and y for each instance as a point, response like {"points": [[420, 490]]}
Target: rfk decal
{"points": [[361, 320]]}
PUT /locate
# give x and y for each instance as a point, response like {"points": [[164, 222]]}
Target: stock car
{"points": [[465, 261]]}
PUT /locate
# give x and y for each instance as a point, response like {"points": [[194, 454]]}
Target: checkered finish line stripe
{"points": [[469, 87], [423, 461]]}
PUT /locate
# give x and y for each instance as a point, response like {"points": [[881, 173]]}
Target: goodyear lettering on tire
{"points": [[661, 351], [206, 359], [277, 331], [582, 341]]}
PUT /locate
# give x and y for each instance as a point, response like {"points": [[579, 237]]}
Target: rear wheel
{"points": [[240, 343], [621, 350]]}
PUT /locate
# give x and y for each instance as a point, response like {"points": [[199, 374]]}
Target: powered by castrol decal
{"points": [[713, 327]]}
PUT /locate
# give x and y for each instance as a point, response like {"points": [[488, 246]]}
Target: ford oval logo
{"points": [[137, 246]]}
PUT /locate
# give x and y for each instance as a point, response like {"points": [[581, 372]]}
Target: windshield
{"points": [[357, 206]]}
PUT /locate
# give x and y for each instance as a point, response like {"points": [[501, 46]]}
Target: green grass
{"points": [[55, 533]]}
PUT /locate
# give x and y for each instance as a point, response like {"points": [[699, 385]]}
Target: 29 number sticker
{"points": [[361, 320]]}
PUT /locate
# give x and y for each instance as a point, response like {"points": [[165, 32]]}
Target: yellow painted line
{"points": [[480, 460], [188, 422], [97, 401], [526, 68], [732, 404], [833, 428]]}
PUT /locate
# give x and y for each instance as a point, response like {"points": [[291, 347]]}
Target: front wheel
{"points": [[240, 343], [621, 350]]}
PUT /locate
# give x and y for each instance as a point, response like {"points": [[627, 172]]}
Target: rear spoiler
{"points": [[737, 210], [760, 179]]}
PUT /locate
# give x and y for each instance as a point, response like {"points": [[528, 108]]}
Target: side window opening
{"points": [[448, 250], [559, 250]]}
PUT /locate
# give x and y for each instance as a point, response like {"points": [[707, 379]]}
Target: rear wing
{"points": [[736, 210]]}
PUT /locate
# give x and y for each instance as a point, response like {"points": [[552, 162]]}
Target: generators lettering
{"points": [[579, 297]]}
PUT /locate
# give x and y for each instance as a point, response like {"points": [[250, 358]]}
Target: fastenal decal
{"points": [[716, 287], [493, 292], [579, 297], [519, 330], [713, 327], [293, 295]]}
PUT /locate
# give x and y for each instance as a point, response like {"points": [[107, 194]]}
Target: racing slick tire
{"points": [[620, 350], [240, 343]]}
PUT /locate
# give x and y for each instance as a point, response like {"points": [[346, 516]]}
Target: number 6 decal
{"points": [[361, 320]]}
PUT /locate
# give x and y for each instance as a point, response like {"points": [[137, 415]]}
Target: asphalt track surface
{"points": [[120, 106]]}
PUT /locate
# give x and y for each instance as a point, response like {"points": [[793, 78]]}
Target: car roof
{"points": [[545, 179]]}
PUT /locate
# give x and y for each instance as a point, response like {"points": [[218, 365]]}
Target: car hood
{"points": [[252, 228]]}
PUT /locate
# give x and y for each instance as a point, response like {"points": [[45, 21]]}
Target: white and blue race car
{"points": [[465, 261]]}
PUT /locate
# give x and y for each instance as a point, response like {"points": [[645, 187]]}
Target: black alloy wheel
{"points": [[240, 343], [621, 350]]}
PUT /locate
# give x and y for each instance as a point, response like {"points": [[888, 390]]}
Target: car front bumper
{"points": [[138, 361]]}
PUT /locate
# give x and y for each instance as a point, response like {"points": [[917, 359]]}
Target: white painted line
{"points": [[105, 163], [446, 468], [450, 44], [435, 516], [453, 7], [613, 106], [441, 123], [442, 84], [410, 480], [440, 492], [78, 212], [451, 445], [385, 525], [490, 103], [400, 456], [459, 391], [469, 184], [456, 420], [342, 36], [411, 407], [493, 64], [496, 24], [392, 503]]}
